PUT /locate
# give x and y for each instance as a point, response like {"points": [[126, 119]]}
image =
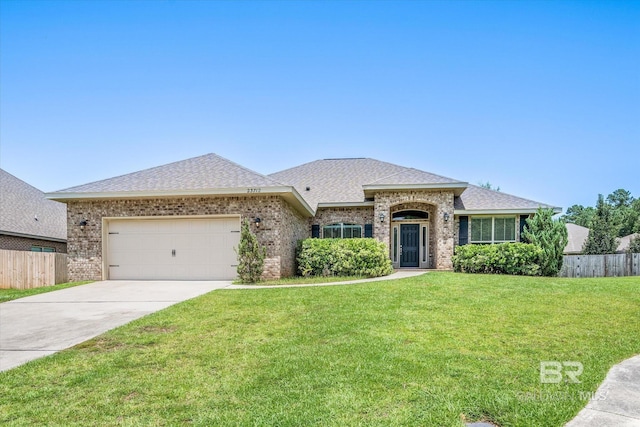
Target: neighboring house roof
{"points": [[625, 241], [577, 236], [343, 181], [24, 211]]}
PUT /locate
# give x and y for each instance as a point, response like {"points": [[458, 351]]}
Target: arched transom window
{"points": [[410, 215]]}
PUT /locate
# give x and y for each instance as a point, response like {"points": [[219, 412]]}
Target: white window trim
{"points": [[493, 229]]}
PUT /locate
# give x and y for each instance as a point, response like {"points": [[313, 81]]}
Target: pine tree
{"points": [[602, 231], [250, 255], [551, 236], [634, 245]]}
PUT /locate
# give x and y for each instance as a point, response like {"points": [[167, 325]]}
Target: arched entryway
{"points": [[411, 245]]}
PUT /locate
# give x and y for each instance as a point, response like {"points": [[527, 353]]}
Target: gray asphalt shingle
{"points": [[199, 173], [478, 198], [342, 180], [320, 181], [21, 204]]}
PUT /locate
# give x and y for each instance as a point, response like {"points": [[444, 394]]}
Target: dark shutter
{"points": [[523, 222], [368, 230], [315, 231], [463, 232]]}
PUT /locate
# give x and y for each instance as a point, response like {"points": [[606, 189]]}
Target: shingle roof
{"points": [[21, 204], [576, 235], [625, 242], [328, 181], [342, 180], [413, 176], [478, 198], [199, 173]]}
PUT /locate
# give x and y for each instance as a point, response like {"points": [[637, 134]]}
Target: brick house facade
{"points": [[417, 215]]}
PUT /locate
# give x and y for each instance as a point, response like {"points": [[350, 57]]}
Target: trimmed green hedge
{"points": [[343, 257], [504, 258]]}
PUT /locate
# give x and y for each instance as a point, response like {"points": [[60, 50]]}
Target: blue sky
{"points": [[541, 98]]}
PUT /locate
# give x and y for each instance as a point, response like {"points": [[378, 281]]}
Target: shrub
{"points": [[250, 255], [503, 258], [343, 257], [548, 235], [634, 245]]}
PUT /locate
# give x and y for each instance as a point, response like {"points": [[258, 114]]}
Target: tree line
{"points": [[615, 216]]}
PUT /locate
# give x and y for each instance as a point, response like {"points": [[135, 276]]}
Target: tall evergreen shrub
{"points": [[602, 231], [250, 255], [549, 235]]}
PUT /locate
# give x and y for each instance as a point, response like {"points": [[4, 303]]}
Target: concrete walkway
{"points": [[616, 403], [399, 274], [43, 324]]}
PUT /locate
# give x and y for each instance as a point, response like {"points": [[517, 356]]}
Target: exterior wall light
{"points": [[381, 216], [83, 224], [257, 222], [446, 216]]}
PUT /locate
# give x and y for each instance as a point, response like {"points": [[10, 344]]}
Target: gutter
{"points": [[302, 206]]}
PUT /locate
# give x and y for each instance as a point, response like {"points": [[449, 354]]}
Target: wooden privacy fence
{"points": [[26, 270], [614, 265]]}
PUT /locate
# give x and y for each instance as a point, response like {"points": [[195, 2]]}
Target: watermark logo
{"points": [[553, 372]]}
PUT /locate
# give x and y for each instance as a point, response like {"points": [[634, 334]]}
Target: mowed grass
{"points": [[11, 294], [433, 350], [302, 280]]}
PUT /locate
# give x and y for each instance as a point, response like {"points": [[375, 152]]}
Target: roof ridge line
{"points": [[244, 168]]}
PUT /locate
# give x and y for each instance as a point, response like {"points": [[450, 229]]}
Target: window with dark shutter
{"points": [[315, 231], [463, 234], [368, 230]]}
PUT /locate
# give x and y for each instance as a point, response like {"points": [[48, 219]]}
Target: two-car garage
{"points": [[175, 248]]}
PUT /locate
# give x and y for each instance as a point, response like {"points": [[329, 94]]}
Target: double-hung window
{"points": [[493, 229], [341, 231]]}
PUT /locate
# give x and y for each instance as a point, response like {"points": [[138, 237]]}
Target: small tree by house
{"points": [[603, 231], [549, 235], [250, 255]]}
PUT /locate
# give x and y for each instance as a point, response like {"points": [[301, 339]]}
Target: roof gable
{"points": [[344, 180], [199, 173], [24, 210]]}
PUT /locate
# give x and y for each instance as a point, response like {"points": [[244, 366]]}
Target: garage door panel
{"points": [[173, 249]]}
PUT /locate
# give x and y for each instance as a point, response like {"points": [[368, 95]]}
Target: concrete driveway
{"points": [[40, 325]]}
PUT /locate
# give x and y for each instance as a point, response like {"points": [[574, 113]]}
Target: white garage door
{"points": [[173, 249]]}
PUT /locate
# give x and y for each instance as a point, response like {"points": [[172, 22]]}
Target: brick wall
{"points": [[440, 231], [279, 223], [16, 243], [351, 215]]}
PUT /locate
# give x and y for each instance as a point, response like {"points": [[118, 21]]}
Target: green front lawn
{"points": [[432, 350], [302, 280], [11, 294]]}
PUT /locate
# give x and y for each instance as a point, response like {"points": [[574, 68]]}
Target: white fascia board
{"points": [[500, 211], [345, 204], [298, 200], [303, 207]]}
